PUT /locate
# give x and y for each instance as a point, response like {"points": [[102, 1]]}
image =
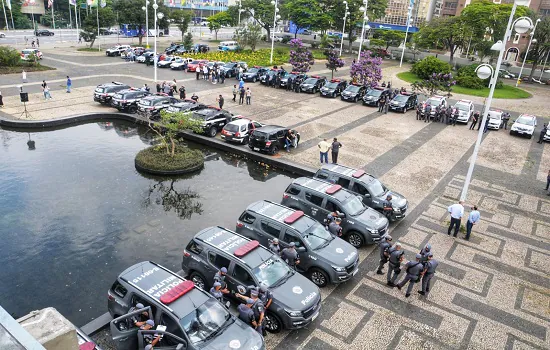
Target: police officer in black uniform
{"points": [[290, 255], [542, 133], [419, 111], [384, 247], [414, 271], [334, 227], [289, 84], [274, 246], [429, 270], [394, 267], [475, 120], [246, 314], [505, 119], [387, 207]]}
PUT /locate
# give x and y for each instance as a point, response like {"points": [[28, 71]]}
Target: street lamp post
{"points": [[485, 71], [365, 19], [240, 10], [160, 15], [346, 14], [411, 5], [144, 8], [532, 40], [276, 17], [544, 66]]}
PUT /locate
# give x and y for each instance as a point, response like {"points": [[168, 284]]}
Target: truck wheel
{"points": [[132, 109], [319, 277], [274, 150], [272, 323], [355, 239], [254, 79], [212, 131], [198, 280]]}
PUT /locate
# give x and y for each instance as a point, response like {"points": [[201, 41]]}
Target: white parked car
{"points": [[524, 125], [435, 101], [495, 119], [166, 62], [465, 110], [204, 23], [547, 135], [278, 38], [117, 50], [180, 63], [239, 129], [26, 54]]}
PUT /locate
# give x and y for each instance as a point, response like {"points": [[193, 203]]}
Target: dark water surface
{"points": [[74, 213]]}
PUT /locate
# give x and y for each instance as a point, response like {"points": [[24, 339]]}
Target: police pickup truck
{"points": [[184, 316]]}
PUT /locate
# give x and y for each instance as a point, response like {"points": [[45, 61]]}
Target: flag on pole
{"points": [[50, 3], [72, 2], [8, 3], [103, 3], [172, 3], [92, 3]]}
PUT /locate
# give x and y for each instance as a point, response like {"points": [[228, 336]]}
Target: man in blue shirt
{"points": [[473, 219]]}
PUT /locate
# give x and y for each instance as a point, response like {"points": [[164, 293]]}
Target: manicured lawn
{"points": [[507, 91], [89, 49], [28, 67]]}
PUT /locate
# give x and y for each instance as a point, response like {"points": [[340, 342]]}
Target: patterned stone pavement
{"points": [[492, 292]]}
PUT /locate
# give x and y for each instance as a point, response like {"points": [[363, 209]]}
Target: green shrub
{"points": [[429, 65], [9, 57], [286, 39], [315, 45], [470, 82], [155, 158]]}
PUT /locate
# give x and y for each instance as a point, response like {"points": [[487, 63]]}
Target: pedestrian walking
{"points": [[324, 146], [428, 273], [24, 76], [473, 219], [542, 133], [475, 120], [335, 148], [384, 248], [394, 267], [414, 270], [1, 100], [235, 93], [457, 212], [427, 113], [182, 92], [32, 44], [248, 95], [220, 101], [240, 73], [69, 84], [241, 95], [381, 103], [47, 94], [159, 88], [505, 119], [37, 42], [547, 180]]}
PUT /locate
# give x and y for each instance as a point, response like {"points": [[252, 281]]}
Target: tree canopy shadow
{"points": [[184, 203]]}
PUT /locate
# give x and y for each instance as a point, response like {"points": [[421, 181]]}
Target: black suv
{"points": [[372, 191], [230, 69], [296, 300], [104, 93], [313, 84], [254, 73], [334, 88], [372, 97], [172, 49], [127, 100], [264, 79], [151, 106], [270, 139], [186, 105], [297, 78], [213, 119], [403, 102], [43, 32], [353, 93]]}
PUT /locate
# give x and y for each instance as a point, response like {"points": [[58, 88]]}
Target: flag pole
{"points": [[76, 21], [70, 15], [53, 17], [97, 16], [5, 15], [8, 2]]}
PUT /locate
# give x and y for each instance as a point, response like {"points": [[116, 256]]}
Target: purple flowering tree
{"points": [[435, 84], [367, 70], [333, 61], [301, 58]]}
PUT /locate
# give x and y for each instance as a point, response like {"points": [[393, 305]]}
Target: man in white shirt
{"points": [[324, 146], [457, 212]]}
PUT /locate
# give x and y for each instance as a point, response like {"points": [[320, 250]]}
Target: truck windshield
{"points": [[317, 237], [206, 321], [271, 271]]}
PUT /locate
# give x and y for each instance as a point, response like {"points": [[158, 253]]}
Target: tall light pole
{"points": [[346, 14], [365, 19], [276, 18], [155, 59], [484, 71], [544, 66], [144, 8], [531, 40], [240, 10], [411, 5]]}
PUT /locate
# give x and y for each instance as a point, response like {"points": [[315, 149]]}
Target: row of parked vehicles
{"points": [[187, 317]]}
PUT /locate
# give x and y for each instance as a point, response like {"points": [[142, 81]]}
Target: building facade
{"points": [[397, 13]]}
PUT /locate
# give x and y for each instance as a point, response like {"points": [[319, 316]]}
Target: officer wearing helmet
{"points": [[414, 271], [384, 247], [429, 270], [275, 247], [220, 277], [425, 251]]}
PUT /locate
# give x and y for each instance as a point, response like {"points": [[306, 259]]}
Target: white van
{"points": [[228, 46]]}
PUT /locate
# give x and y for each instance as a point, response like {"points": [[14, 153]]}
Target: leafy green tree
{"points": [[390, 37], [326, 42], [429, 66], [215, 22], [447, 30], [303, 13], [262, 12], [377, 43], [9, 57], [233, 11], [188, 40], [483, 14], [435, 84], [539, 50], [130, 12], [248, 35], [89, 27], [182, 18]]}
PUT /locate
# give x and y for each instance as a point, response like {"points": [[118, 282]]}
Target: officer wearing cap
{"points": [[394, 267], [414, 271], [429, 271], [265, 296], [274, 246], [384, 247], [290, 255], [217, 292], [388, 207], [334, 227], [220, 277], [424, 252], [257, 307], [140, 319], [246, 314]]}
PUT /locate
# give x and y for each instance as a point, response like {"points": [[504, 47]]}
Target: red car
{"points": [[192, 67]]}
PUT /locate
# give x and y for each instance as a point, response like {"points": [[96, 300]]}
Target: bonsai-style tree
{"points": [[301, 58], [333, 61], [367, 70], [172, 124], [435, 84]]}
